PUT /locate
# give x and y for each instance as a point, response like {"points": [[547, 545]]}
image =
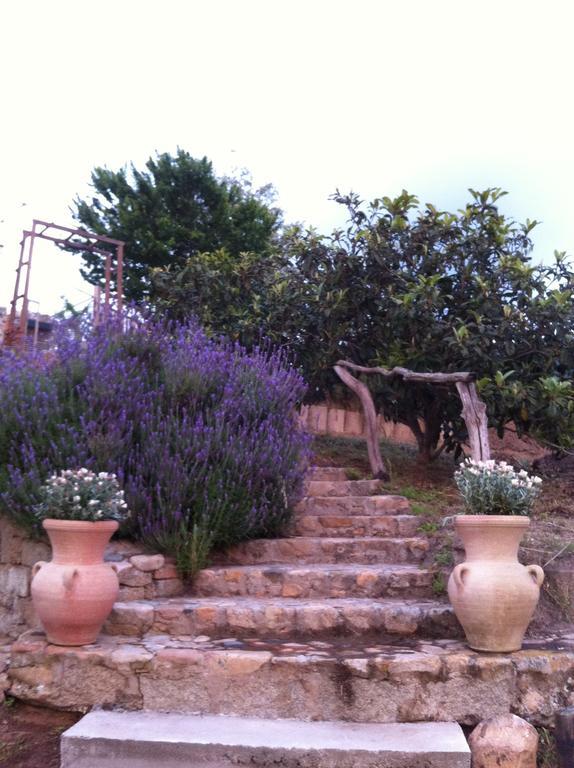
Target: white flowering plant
{"points": [[496, 488], [79, 494]]}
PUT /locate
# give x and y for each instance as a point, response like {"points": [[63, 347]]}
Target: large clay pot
{"points": [[493, 595], [74, 593]]}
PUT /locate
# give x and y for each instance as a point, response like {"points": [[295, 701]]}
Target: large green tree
{"points": [[413, 286], [170, 211], [409, 285]]}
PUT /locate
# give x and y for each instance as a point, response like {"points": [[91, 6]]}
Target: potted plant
{"points": [[74, 593], [493, 595]]}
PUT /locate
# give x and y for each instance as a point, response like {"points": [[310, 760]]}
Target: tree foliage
{"points": [[409, 285], [172, 210]]}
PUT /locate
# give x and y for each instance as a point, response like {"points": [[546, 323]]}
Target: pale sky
{"points": [[369, 95]]}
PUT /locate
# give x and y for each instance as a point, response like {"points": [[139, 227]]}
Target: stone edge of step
{"points": [[213, 731]]}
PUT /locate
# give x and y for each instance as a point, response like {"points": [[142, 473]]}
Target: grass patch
{"points": [[10, 749], [439, 585], [547, 753], [429, 527], [444, 557], [424, 495]]}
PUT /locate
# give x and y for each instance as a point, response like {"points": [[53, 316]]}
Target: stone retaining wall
{"points": [[141, 575]]}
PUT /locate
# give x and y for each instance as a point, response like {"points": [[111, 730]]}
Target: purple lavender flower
{"points": [[200, 433]]}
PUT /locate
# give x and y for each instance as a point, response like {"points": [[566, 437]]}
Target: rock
{"points": [[506, 741], [18, 581], [148, 563], [168, 571], [163, 588], [11, 543], [129, 576], [33, 551], [130, 619], [131, 593]]}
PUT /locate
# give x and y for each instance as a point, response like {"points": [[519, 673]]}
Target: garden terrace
{"points": [[344, 638]]}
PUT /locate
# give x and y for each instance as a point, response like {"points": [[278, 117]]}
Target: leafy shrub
{"points": [[200, 434], [494, 488], [82, 495]]}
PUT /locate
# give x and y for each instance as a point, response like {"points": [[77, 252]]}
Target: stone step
{"points": [[311, 581], [149, 739], [339, 488], [350, 680], [353, 505], [278, 617], [307, 549], [356, 525], [327, 473]]}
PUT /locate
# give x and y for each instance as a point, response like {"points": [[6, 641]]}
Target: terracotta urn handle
{"points": [[36, 567], [458, 574], [537, 573], [69, 578]]}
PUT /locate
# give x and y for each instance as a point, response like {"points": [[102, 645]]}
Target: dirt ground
{"points": [[30, 736]]}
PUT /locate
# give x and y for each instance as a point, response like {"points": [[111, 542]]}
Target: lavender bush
{"points": [[200, 434]]}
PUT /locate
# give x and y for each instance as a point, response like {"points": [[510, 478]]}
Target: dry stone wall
{"points": [[141, 575]]}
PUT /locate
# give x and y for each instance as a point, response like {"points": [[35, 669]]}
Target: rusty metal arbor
{"points": [[78, 239]]}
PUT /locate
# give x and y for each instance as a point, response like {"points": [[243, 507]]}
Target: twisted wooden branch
{"points": [[473, 409]]}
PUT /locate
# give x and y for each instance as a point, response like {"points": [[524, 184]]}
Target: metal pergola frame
{"points": [[67, 237]]}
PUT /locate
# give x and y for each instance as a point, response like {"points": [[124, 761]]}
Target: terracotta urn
{"points": [[74, 593], [493, 595]]}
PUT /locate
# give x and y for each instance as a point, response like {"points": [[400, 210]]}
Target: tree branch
{"points": [[362, 391], [431, 378]]}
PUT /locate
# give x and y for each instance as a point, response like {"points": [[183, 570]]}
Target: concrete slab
{"points": [[150, 739]]}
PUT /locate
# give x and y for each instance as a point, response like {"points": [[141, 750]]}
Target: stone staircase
{"points": [[335, 623], [351, 567]]}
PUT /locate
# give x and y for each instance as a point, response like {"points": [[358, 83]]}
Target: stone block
{"points": [[131, 618], [129, 576], [506, 741], [131, 593], [33, 551], [168, 571], [18, 581], [11, 543], [163, 588], [147, 563], [146, 739]]}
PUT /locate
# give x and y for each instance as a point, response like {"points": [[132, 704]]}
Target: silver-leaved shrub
{"points": [[82, 495], [495, 488]]}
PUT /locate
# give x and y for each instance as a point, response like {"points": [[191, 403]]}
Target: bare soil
{"points": [[30, 736]]}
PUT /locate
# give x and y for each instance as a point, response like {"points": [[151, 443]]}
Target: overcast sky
{"points": [[369, 95]]}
